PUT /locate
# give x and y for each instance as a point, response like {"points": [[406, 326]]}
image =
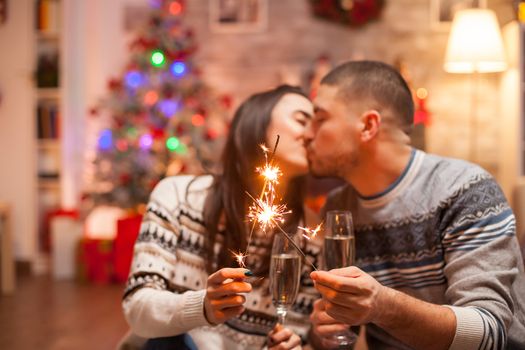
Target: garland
{"points": [[353, 13]]}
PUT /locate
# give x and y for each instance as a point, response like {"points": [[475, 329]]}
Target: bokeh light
{"points": [[134, 79], [151, 97], [146, 141], [173, 143], [105, 140], [157, 58], [197, 120], [178, 69], [168, 107]]}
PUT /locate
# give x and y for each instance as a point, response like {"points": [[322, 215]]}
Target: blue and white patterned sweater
{"points": [[444, 233]]}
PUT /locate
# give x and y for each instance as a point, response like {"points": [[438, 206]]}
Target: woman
{"points": [[182, 280]]}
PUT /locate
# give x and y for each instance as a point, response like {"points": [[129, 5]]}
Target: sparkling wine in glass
{"points": [[339, 251], [285, 273]]}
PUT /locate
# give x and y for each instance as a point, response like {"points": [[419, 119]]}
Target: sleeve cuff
{"points": [[193, 311], [469, 328]]}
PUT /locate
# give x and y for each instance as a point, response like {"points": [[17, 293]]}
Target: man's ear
{"points": [[370, 123]]}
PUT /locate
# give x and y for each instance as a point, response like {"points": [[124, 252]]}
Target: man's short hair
{"points": [[377, 81]]}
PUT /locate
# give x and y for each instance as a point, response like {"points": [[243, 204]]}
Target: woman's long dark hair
{"points": [[227, 195]]}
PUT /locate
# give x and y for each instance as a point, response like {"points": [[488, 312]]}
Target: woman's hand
{"points": [[222, 300], [281, 338]]}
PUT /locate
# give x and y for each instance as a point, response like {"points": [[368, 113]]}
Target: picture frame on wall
{"points": [[442, 11], [238, 16]]}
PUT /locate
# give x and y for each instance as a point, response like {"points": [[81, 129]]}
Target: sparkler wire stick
{"points": [[296, 246]]}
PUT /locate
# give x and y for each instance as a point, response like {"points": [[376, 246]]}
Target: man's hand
{"points": [[324, 325], [281, 338], [222, 300], [350, 296], [325, 328]]}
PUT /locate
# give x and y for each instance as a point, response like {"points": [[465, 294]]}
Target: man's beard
{"points": [[338, 166]]}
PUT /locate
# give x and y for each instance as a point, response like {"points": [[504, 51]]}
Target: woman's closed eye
{"points": [[302, 117]]}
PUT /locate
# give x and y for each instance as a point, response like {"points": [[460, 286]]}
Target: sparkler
{"points": [[240, 257], [264, 212], [309, 233]]}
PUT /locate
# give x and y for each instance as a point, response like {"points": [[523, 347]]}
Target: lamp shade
{"points": [[475, 43]]}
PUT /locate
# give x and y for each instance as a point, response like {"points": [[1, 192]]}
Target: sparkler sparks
{"points": [[270, 173], [310, 233], [240, 257], [264, 213]]}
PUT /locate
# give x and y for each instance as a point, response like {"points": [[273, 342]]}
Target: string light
{"points": [[146, 141], [172, 143], [178, 69], [175, 8], [105, 140], [155, 3], [150, 98], [168, 107], [197, 120], [132, 132], [157, 58], [122, 145], [134, 79]]}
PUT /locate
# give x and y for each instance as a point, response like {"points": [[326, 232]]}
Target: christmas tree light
{"points": [[175, 8], [134, 79], [157, 58], [198, 120], [172, 143], [146, 141], [105, 140], [168, 108], [178, 69], [150, 98]]}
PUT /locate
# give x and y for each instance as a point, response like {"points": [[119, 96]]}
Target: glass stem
{"points": [[281, 315]]}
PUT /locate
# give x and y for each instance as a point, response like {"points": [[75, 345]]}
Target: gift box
{"points": [[97, 259], [127, 232], [46, 241]]}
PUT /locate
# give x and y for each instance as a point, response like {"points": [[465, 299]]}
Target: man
{"points": [[439, 263]]}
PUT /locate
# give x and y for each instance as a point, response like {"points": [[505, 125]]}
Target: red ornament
{"points": [[158, 133], [198, 120], [226, 101], [114, 84], [175, 8], [125, 179], [211, 134]]}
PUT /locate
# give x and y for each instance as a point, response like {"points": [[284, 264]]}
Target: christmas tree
{"points": [[163, 119]]}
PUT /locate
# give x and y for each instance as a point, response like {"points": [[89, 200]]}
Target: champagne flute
{"points": [[285, 274], [339, 251]]}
